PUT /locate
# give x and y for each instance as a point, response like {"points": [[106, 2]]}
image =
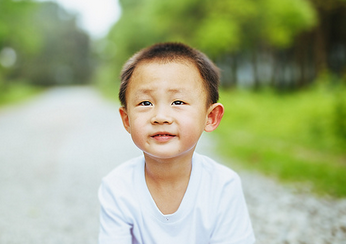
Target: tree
{"points": [[17, 35], [62, 51], [221, 28]]}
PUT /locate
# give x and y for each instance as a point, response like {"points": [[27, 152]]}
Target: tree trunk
{"points": [[234, 68], [320, 47], [255, 70]]}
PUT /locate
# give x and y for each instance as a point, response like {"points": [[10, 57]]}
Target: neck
{"points": [[167, 181], [168, 170]]}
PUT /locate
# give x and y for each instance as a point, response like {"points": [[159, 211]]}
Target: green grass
{"points": [[297, 138], [17, 93]]}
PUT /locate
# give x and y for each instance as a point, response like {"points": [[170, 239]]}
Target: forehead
{"points": [[177, 75]]}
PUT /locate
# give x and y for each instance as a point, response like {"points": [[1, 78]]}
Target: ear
{"points": [[125, 118], [215, 113]]}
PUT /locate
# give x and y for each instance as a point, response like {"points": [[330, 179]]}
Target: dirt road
{"points": [[54, 151]]}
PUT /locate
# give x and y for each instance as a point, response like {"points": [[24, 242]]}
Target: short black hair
{"points": [[173, 52]]}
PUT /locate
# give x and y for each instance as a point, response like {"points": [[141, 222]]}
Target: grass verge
{"points": [[17, 93], [297, 138]]}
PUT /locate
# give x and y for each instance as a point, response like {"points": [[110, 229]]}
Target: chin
{"points": [[168, 155]]}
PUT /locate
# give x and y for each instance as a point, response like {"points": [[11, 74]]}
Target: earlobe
{"points": [[125, 118], [215, 114]]}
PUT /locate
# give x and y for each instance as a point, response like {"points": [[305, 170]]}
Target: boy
{"points": [[169, 95]]}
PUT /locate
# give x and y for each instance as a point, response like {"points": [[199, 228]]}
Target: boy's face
{"points": [[166, 108]]}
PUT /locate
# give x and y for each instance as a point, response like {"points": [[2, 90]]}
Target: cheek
{"points": [[138, 137], [136, 120], [193, 125], [137, 126]]}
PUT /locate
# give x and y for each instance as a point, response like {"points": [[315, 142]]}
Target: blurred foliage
{"points": [[64, 57], [18, 92], [16, 29], [251, 23], [216, 27], [297, 137], [40, 44], [286, 44]]}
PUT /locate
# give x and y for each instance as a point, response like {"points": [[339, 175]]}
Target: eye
{"points": [[178, 102], [145, 103]]}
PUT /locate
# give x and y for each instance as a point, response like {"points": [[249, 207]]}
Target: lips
{"points": [[163, 136]]}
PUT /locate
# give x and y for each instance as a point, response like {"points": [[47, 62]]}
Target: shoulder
{"points": [[222, 190], [216, 171], [218, 182], [125, 169], [119, 206], [122, 177], [116, 190]]}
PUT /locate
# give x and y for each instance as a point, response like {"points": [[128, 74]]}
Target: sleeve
{"points": [[233, 225], [114, 227]]}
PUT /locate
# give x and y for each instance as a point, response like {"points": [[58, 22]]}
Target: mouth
{"points": [[163, 136]]}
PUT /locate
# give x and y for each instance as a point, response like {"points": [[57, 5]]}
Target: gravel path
{"points": [[55, 149]]}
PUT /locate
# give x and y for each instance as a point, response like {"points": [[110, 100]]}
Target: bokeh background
{"points": [[283, 69]]}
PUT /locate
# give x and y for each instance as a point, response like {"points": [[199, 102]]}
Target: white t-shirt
{"points": [[213, 209]]}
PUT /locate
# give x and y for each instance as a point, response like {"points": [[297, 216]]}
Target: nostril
{"points": [[161, 120], [161, 116]]}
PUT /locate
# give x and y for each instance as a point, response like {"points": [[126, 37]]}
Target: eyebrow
{"points": [[144, 91], [148, 91], [176, 90]]}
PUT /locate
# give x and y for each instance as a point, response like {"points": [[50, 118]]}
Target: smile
{"points": [[163, 136]]}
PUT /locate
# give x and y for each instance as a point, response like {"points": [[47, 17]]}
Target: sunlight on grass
{"points": [[17, 93], [292, 137]]}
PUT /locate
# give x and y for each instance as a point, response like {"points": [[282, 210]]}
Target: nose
{"points": [[161, 116]]}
